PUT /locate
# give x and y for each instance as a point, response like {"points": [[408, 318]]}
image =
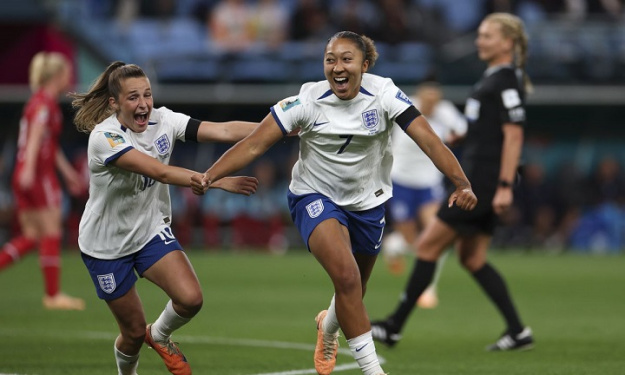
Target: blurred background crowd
{"points": [[232, 59]]}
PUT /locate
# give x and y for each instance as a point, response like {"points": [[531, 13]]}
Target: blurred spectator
{"points": [[395, 22], [270, 24], [310, 21], [231, 26], [536, 205], [359, 16], [607, 183]]}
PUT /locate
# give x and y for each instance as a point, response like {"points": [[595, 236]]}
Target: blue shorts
{"points": [[406, 201], [113, 278], [365, 227]]}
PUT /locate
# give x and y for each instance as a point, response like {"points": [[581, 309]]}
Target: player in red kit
{"points": [[35, 184]]}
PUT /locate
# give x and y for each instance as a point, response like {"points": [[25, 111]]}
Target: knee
{"points": [[135, 333], [347, 282], [426, 250], [471, 264], [190, 304]]}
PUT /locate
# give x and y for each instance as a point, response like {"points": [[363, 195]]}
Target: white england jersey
{"points": [[411, 166], [125, 209], [345, 149]]}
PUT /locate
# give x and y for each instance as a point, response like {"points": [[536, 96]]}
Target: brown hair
{"points": [[44, 66], [364, 43], [512, 27], [93, 106]]}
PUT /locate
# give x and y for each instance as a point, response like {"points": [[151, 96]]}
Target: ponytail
{"points": [[512, 27], [93, 106]]}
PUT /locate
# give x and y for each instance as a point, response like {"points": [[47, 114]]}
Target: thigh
{"points": [[51, 223], [30, 223], [174, 274], [436, 237], [128, 313], [330, 244]]}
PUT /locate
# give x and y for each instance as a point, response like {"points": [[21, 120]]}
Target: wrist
{"points": [[502, 183]]}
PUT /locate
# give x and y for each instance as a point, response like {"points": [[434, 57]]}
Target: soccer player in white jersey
{"points": [[342, 179], [125, 227], [417, 196]]}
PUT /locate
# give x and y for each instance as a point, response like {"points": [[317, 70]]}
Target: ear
{"points": [[113, 104], [365, 66]]}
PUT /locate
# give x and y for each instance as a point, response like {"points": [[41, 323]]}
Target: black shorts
{"points": [[482, 219]]}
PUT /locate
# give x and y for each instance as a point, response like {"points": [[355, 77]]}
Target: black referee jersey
{"points": [[497, 99]]}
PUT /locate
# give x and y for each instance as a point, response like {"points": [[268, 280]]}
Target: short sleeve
{"points": [[396, 102], [177, 121], [107, 146], [42, 115], [289, 113], [511, 101]]}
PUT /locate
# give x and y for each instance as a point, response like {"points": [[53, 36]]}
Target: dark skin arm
{"points": [[241, 154], [421, 132]]}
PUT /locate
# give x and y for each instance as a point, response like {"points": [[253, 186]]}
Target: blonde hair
{"points": [[512, 27], [364, 43], [93, 106], [44, 66]]}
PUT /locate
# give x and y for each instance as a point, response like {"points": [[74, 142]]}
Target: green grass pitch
{"points": [[258, 318]]}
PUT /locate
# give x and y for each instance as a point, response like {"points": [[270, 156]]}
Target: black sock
{"points": [[495, 287], [420, 278]]}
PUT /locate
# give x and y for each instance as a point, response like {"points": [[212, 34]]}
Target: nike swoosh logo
{"points": [[168, 242], [362, 347], [319, 123]]}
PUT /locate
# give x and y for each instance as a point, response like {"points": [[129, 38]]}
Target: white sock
{"points": [[363, 350], [168, 322], [330, 324], [126, 364]]}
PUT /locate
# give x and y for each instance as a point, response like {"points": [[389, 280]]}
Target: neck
{"points": [[500, 60], [51, 91]]}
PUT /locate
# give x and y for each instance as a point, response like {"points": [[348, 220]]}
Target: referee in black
{"points": [[496, 114]]}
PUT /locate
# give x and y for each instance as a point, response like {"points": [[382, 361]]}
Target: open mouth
{"points": [[341, 83], [141, 118]]}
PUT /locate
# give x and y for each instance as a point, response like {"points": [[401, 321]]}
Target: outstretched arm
{"points": [[243, 153], [140, 163], [421, 132], [226, 132]]}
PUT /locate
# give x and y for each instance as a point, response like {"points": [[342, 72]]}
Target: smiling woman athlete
{"points": [[342, 179], [125, 227]]}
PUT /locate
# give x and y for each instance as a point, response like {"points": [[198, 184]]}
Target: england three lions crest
{"points": [[107, 283], [162, 144], [371, 119], [314, 208]]}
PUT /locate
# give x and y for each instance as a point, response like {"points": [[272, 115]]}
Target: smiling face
{"points": [[492, 46], [134, 104], [343, 66]]}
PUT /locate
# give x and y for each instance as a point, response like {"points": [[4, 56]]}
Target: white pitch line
{"points": [[92, 335]]}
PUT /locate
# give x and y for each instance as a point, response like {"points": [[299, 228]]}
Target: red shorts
{"points": [[45, 193]]}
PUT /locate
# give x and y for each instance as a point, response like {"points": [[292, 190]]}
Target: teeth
{"points": [[340, 79]]}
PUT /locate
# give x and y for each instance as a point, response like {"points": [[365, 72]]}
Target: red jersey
{"points": [[41, 110]]}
